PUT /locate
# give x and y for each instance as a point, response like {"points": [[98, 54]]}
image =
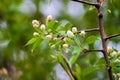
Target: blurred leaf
{"points": [[37, 43], [88, 70], [77, 40], [76, 50], [91, 39], [66, 27], [73, 59], [69, 40], [78, 71], [31, 41]]}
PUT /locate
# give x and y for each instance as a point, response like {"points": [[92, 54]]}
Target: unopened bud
{"points": [[49, 37], [42, 27], [65, 45], [64, 39], [74, 30], [49, 17], [70, 34], [35, 34], [109, 49], [55, 38], [82, 33], [35, 23], [118, 75]]}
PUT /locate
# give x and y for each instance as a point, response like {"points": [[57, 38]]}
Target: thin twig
{"points": [[88, 51], [115, 35], [71, 72], [86, 2], [90, 30]]}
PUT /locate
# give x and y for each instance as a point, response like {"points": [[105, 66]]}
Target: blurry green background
{"points": [[19, 62]]}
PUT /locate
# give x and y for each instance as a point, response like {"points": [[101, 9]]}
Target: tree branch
{"points": [[90, 30], [85, 2], [115, 35], [103, 38]]}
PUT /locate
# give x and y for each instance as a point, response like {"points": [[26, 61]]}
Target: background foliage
{"points": [[16, 29]]}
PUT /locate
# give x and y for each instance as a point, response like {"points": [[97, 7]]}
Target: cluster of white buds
{"points": [[70, 34], [65, 45], [74, 30], [35, 34], [35, 23], [82, 33], [42, 27]]}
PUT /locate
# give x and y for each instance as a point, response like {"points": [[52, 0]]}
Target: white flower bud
{"points": [[49, 17], [65, 45], [109, 49], [49, 37], [74, 30], [64, 39], [35, 23], [55, 38], [70, 34], [118, 75], [82, 33], [42, 27], [35, 34]]}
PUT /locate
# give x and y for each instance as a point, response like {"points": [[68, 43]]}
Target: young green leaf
{"points": [[31, 41], [73, 59]]}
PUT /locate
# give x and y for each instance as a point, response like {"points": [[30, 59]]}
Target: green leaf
{"points": [[91, 39], [53, 25], [76, 49], [116, 68], [88, 71], [74, 57], [66, 27], [50, 24], [59, 57], [77, 40], [69, 40], [77, 71], [100, 63], [31, 41], [37, 43]]}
